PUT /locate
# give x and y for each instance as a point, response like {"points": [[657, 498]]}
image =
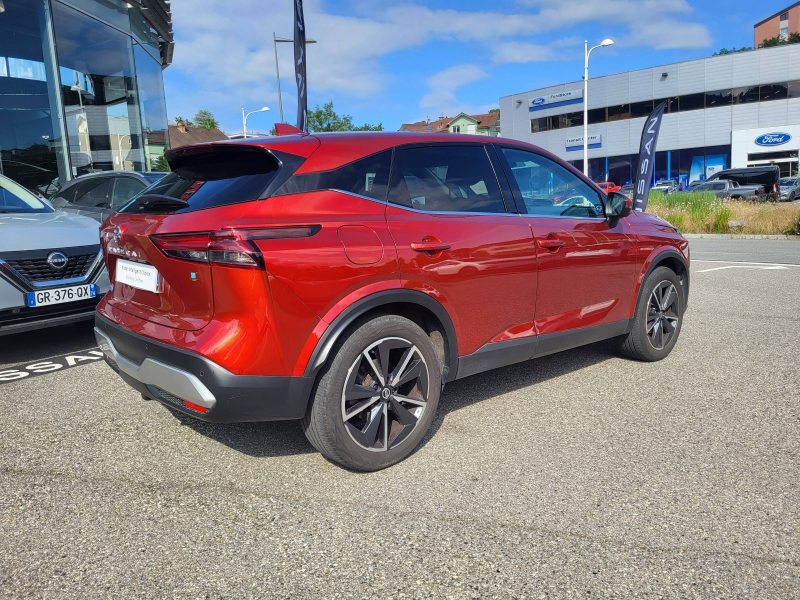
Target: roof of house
{"points": [[780, 12], [193, 135], [442, 124]]}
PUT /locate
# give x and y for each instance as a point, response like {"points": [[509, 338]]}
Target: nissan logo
{"points": [[117, 233], [57, 260]]}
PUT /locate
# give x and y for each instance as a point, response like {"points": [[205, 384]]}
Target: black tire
{"points": [[399, 416], [643, 343]]}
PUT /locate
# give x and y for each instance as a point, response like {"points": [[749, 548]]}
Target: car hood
{"points": [[40, 231]]}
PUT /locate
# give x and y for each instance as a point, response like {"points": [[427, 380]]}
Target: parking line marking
{"points": [[737, 262], [759, 267]]}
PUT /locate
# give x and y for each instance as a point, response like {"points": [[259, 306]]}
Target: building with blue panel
{"points": [[736, 110]]}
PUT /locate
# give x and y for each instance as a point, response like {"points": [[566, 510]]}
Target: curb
{"points": [[737, 236]]}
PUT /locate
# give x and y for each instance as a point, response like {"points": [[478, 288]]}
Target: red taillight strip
{"points": [[232, 247]]}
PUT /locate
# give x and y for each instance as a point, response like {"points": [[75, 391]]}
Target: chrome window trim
{"points": [[383, 202], [427, 212]]}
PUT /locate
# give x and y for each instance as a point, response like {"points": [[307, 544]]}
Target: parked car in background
{"points": [[766, 176], [794, 192], [627, 190], [730, 189], [666, 186], [342, 279], [608, 186], [786, 185], [694, 184], [51, 269], [97, 195]]}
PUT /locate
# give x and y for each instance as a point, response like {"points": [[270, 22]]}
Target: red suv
{"points": [[343, 279]]}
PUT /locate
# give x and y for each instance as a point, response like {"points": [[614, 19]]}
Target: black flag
{"points": [[647, 158], [300, 65]]}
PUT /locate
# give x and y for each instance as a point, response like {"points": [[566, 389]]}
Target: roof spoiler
{"points": [[286, 129]]}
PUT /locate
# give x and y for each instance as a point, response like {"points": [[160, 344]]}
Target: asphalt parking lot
{"points": [[579, 475]]}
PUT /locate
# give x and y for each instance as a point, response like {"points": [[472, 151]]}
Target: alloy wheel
{"points": [[662, 314], [385, 394]]}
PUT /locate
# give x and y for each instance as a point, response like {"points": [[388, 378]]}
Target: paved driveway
{"points": [[579, 475]]}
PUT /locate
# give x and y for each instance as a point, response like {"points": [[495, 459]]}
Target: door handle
{"points": [[429, 246], [551, 244]]}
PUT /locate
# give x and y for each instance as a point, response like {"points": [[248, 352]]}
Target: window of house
{"points": [[775, 91], [719, 98], [445, 179], [619, 112], [692, 102], [538, 125]]}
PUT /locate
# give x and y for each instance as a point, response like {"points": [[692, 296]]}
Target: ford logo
{"points": [[773, 139], [57, 260], [537, 101]]}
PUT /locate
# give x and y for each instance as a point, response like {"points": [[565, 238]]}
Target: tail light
{"points": [[231, 247]]}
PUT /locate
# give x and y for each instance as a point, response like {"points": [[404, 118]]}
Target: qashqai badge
{"points": [[773, 139], [57, 260]]}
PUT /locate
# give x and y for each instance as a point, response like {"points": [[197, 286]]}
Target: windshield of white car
{"points": [[787, 181], [16, 199]]}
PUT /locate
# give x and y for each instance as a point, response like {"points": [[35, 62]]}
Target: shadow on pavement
{"points": [[283, 438], [41, 344]]}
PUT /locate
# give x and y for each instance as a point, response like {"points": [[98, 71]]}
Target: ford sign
{"points": [[773, 139], [537, 101]]}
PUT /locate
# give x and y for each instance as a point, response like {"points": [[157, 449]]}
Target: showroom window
{"points": [[153, 109], [30, 143], [775, 91], [99, 93], [618, 112], [692, 102], [745, 95], [641, 109]]}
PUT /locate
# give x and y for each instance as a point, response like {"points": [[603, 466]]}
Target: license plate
{"points": [[138, 275], [61, 295]]}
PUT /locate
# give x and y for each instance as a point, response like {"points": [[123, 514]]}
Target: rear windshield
{"points": [[210, 176]]}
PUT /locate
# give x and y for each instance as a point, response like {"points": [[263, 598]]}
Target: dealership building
{"points": [[736, 110], [81, 86]]}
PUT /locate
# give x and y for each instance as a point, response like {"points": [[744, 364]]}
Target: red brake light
{"points": [[232, 247]]}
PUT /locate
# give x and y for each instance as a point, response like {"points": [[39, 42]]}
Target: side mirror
{"points": [[617, 206]]}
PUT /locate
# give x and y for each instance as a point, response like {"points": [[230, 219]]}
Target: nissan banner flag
{"points": [[300, 65], [647, 158]]}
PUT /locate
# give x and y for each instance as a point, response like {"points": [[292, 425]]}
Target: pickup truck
{"points": [[727, 188]]}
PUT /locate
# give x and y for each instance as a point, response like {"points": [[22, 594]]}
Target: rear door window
{"points": [[211, 176], [92, 193], [447, 178], [125, 188]]}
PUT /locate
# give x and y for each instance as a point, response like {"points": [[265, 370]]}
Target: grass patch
{"points": [[703, 212]]}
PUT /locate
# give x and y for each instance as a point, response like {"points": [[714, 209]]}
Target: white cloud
{"points": [[225, 50], [441, 99]]}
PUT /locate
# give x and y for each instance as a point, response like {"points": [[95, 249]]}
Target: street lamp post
{"points": [[275, 42], [244, 119], [586, 52]]}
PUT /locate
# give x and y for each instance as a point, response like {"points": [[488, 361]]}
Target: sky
{"points": [[401, 61]]}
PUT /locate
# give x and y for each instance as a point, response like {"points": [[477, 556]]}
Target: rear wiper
{"points": [[157, 202]]}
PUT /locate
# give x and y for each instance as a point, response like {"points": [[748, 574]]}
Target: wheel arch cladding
{"points": [[677, 264], [416, 306]]}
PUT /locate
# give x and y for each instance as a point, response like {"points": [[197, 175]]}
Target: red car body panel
{"points": [[495, 283]]}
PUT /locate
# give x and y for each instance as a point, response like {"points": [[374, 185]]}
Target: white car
{"points": [[52, 271]]}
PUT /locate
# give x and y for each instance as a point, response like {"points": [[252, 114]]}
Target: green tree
{"points": [[205, 120], [725, 51], [494, 110], [160, 164], [186, 122], [793, 38], [326, 119]]}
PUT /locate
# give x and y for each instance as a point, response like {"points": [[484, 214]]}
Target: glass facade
{"points": [[81, 90], [684, 166]]}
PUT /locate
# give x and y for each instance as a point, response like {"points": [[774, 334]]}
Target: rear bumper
{"points": [[174, 376]]}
